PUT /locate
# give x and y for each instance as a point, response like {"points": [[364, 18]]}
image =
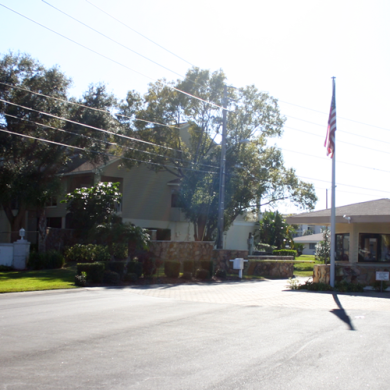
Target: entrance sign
{"points": [[382, 276]]}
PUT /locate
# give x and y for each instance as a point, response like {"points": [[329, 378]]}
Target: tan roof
{"points": [[312, 238], [373, 211]]}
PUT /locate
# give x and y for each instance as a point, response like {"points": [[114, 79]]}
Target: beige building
{"points": [[362, 231]]}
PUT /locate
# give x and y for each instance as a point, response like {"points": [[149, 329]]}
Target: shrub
{"points": [[202, 274], [134, 267], [46, 260], [207, 264], [87, 253], [54, 259], [344, 286], [116, 266], [311, 286], [36, 260], [6, 268], [94, 271], [285, 252], [187, 275], [220, 273], [148, 263], [111, 277], [172, 268], [130, 277], [120, 250], [80, 280], [188, 266]]}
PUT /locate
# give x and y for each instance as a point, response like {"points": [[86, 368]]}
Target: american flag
{"points": [[330, 134]]}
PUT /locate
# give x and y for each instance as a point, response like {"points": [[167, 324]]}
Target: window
{"points": [[312, 246], [175, 199], [54, 222], [342, 247], [374, 247]]}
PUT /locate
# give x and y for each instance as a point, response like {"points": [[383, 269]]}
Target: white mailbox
{"points": [[238, 263]]}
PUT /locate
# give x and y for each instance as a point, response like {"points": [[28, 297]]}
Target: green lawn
{"points": [[37, 280], [305, 269]]}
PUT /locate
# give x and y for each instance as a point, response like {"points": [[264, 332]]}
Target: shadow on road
{"points": [[341, 313]]}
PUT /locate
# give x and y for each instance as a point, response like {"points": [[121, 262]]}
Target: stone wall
{"points": [[271, 269], [182, 250], [221, 257], [364, 274]]}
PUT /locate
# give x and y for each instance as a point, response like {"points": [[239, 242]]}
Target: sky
{"points": [[289, 49]]}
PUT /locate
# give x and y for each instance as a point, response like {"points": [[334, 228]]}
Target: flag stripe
{"points": [[330, 133]]}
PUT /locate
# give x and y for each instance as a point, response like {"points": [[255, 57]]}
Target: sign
{"points": [[382, 276]]}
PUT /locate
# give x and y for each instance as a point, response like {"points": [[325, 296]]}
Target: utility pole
{"points": [[221, 204]]}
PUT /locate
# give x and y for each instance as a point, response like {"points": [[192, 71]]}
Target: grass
{"points": [[305, 269], [17, 281]]}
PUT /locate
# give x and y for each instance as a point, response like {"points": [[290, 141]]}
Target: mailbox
{"points": [[238, 263]]}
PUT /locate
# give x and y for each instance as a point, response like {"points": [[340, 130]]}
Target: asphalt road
{"points": [[127, 339]]}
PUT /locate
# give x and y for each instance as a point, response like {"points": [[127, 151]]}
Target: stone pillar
{"points": [[21, 252]]}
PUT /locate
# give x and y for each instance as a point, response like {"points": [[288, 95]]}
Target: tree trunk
{"points": [[42, 230]]}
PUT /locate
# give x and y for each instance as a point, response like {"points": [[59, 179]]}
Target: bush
{"points": [[111, 277], [87, 253], [187, 275], [36, 261], [220, 273], [207, 264], [46, 260], [188, 266], [285, 252], [94, 271], [80, 280], [130, 277], [134, 267], [6, 268], [172, 268], [116, 266], [54, 259], [311, 286], [344, 286], [120, 251], [148, 263], [202, 274]]}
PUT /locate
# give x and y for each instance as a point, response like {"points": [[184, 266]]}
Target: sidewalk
{"points": [[265, 293]]}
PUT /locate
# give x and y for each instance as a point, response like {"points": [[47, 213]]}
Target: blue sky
{"points": [[289, 49]]}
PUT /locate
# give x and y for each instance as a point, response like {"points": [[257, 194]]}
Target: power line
{"points": [[107, 142], [345, 185], [339, 141], [112, 40], [90, 108], [90, 127], [117, 62], [143, 36], [105, 154], [338, 161], [338, 117]]}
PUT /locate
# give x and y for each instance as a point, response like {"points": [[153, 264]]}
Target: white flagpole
{"points": [[333, 212]]}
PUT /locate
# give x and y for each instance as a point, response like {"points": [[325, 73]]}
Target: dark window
{"points": [[175, 200], [312, 246], [54, 222], [374, 247], [342, 247]]}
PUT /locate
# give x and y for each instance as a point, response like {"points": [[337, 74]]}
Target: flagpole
{"points": [[333, 212]]}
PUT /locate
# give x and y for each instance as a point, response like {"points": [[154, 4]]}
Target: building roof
{"points": [[310, 239], [374, 211]]}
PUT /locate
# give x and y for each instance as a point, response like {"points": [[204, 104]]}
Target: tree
{"points": [[255, 173], [92, 206], [30, 166], [273, 230], [322, 251]]}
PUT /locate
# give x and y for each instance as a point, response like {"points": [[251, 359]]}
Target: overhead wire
{"points": [[117, 62], [103, 153], [137, 32], [88, 107], [111, 39], [106, 142]]}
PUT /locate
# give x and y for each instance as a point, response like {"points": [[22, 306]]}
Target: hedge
{"points": [[94, 271], [285, 252], [172, 268]]}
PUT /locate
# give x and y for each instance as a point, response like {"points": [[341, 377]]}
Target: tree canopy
{"points": [[255, 172], [30, 166]]}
